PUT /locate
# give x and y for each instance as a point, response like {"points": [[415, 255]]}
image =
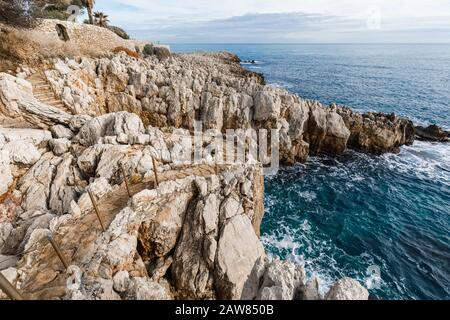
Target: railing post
{"points": [[97, 212], [9, 289], [126, 181], [155, 172], [58, 251]]}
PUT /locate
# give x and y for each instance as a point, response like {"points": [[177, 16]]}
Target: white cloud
{"points": [[172, 19]]}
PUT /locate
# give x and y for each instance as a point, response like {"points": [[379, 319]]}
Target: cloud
{"points": [[213, 21], [287, 28]]}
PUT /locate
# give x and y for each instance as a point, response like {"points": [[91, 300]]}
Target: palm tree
{"points": [[101, 19], [89, 5]]}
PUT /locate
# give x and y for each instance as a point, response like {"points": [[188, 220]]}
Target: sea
{"points": [[383, 220]]}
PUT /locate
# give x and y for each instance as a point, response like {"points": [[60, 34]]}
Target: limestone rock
{"points": [[63, 189], [145, 289], [377, 133], [22, 152], [238, 250], [267, 106], [432, 133], [13, 90], [36, 183], [158, 234], [60, 146], [347, 289], [311, 290], [192, 265], [121, 281], [34, 136], [5, 231], [6, 177], [112, 124], [281, 281], [60, 131], [7, 261], [11, 275]]}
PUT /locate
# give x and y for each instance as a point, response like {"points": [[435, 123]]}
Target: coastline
{"points": [[119, 107]]}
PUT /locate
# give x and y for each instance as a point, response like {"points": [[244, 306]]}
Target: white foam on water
{"points": [[428, 161], [307, 195]]}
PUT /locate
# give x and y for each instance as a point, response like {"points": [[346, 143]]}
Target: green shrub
{"points": [[148, 50], [120, 32]]}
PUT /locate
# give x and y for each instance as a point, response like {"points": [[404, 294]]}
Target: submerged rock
{"points": [[432, 133]]}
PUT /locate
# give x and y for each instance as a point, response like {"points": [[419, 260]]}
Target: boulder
{"points": [[34, 136], [60, 146], [112, 124], [161, 51], [22, 152], [238, 249], [5, 231], [8, 261], [311, 290], [35, 184], [145, 289], [60, 131], [193, 260], [63, 189], [121, 281], [13, 90], [281, 281], [377, 133], [432, 133], [6, 177], [158, 233], [347, 289], [267, 106], [274, 280]]}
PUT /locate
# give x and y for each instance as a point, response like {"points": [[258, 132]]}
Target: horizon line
{"points": [[305, 43]]}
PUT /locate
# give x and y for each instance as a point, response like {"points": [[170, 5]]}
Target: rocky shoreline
{"points": [[186, 230]]}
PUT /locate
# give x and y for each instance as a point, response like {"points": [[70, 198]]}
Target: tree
{"points": [[89, 5], [101, 19], [14, 13], [51, 9]]}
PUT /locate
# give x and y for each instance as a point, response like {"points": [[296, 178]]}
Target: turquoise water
{"points": [[343, 216]]}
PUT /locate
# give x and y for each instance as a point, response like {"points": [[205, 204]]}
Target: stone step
{"points": [[42, 86], [48, 99], [44, 95], [38, 82], [43, 92]]}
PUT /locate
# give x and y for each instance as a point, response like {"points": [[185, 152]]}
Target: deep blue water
{"points": [[342, 216]]}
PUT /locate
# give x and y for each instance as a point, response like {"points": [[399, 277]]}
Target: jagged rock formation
{"points": [[214, 88], [432, 133], [377, 133], [196, 234]]}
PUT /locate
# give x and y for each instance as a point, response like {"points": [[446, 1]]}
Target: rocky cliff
{"points": [[189, 231]]}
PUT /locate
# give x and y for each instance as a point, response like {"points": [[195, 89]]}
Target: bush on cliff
{"points": [[57, 9], [127, 51], [120, 32], [13, 13], [148, 50]]}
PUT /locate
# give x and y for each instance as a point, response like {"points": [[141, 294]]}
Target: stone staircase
{"points": [[43, 92], [47, 278]]}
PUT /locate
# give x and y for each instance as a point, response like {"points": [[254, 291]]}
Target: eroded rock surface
{"points": [[195, 235]]}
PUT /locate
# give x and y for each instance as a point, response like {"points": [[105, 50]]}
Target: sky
{"points": [[282, 21]]}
